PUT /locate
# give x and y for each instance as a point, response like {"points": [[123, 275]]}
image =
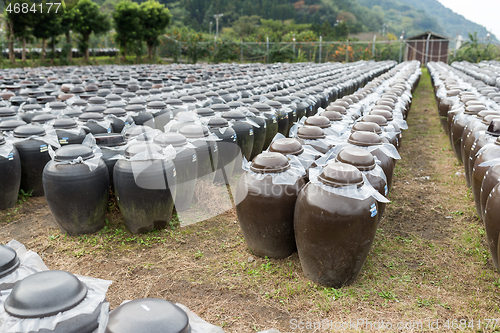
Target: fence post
{"points": [[373, 46], [267, 49], [241, 51], [347, 50], [320, 40]]}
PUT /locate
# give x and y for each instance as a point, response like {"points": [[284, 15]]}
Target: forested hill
{"points": [[412, 16]]}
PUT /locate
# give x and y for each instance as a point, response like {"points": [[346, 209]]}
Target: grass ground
{"points": [[429, 268]]}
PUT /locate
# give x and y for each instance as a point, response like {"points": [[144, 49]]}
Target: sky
{"points": [[483, 12]]}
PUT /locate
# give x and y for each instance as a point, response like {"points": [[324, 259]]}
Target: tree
{"points": [[89, 19], [155, 18], [66, 26], [48, 25], [128, 25], [18, 24]]}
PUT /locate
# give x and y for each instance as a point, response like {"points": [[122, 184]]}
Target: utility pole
{"points": [[267, 49], [293, 45], [210, 29], [217, 16], [320, 41], [401, 44]]}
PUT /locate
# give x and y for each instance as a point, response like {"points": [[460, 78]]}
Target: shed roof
{"points": [[425, 34]]}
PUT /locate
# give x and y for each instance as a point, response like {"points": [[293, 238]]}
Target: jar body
{"points": [[34, 156], [266, 214], [77, 197], [478, 172], [492, 223], [186, 166], [10, 178], [145, 191], [334, 235]]}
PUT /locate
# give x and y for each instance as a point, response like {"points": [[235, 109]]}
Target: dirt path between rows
{"points": [[429, 261]]}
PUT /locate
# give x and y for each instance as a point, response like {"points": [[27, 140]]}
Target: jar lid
{"points": [[287, 146], [337, 108], [386, 114], [367, 126], [320, 121], [80, 102], [391, 97], [347, 99], [283, 100], [375, 118], [341, 174], [32, 107], [95, 108], [91, 115], [381, 108], [494, 127], [340, 102], [119, 112], [137, 148], [188, 99], [135, 108], [8, 258], [482, 114], [97, 100], [310, 133], [217, 122], [7, 112], [113, 97], [220, 107], [42, 118], [157, 105], [205, 112], [270, 162], [25, 131], [234, 115], [235, 104], [57, 105], [110, 139], [453, 92], [137, 100], [332, 115], [170, 138], [45, 294], [261, 107], [364, 138], [64, 123], [474, 102], [148, 315], [70, 152], [193, 131], [360, 158], [474, 109], [273, 103], [10, 125], [386, 102]]}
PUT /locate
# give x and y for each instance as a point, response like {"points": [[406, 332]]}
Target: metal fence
{"points": [[266, 52]]}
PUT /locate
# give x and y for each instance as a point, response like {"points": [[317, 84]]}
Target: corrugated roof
{"points": [[425, 34]]}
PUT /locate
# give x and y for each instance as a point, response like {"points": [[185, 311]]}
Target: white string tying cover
{"points": [[49, 138], [6, 149], [29, 264], [96, 294], [288, 177], [92, 163], [349, 191]]}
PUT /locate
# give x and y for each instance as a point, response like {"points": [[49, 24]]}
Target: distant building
{"points": [[428, 46]]}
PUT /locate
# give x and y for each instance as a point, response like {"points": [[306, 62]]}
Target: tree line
{"points": [[135, 24]]}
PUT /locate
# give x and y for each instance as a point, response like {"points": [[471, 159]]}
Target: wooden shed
{"points": [[426, 47]]}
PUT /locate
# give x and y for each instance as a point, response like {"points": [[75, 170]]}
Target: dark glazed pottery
{"points": [[77, 197], [10, 177], [265, 210], [334, 233]]}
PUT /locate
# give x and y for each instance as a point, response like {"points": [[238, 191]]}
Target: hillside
{"points": [[451, 22]]}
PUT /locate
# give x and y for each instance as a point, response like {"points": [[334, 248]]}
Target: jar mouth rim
{"points": [[332, 183], [271, 169]]}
